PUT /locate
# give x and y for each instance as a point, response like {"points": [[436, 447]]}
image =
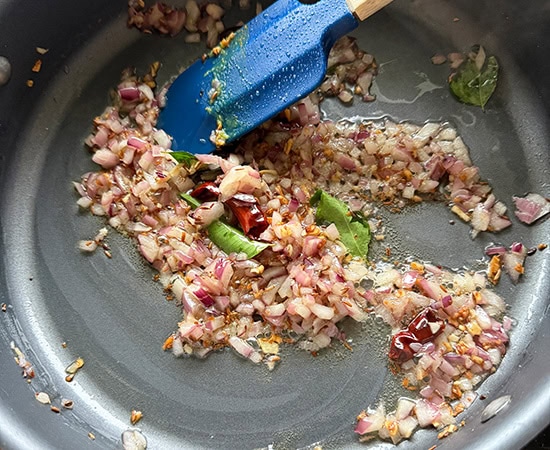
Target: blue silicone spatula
{"points": [[276, 59]]}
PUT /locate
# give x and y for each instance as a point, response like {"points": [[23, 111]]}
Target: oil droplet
{"points": [[425, 87]]}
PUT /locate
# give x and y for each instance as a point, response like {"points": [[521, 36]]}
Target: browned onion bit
{"points": [[135, 416], [75, 366], [67, 404], [37, 66]]}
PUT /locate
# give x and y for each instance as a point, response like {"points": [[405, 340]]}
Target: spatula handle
{"points": [[366, 8]]}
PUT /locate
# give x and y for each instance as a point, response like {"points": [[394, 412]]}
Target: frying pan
{"points": [[112, 314]]}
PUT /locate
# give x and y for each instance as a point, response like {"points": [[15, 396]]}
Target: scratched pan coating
{"points": [[110, 312]]}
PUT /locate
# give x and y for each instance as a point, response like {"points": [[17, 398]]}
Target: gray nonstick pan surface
{"points": [[109, 311]]}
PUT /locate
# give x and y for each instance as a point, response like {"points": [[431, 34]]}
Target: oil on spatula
{"points": [[276, 59]]}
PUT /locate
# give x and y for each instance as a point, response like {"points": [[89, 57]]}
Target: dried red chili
{"points": [[206, 192], [247, 211], [245, 207], [425, 327]]}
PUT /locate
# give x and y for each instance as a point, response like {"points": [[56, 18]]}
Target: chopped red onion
{"points": [[101, 138], [512, 261], [427, 413], [105, 158], [244, 349], [305, 282], [531, 208], [204, 297], [455, 359], [373, 420], [495, 250], [130, 93]]}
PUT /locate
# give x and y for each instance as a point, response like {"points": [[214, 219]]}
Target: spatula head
{"points": [[270, 63]]}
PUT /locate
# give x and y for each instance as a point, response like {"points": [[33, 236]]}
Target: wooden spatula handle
{"points": [[366, 8]]}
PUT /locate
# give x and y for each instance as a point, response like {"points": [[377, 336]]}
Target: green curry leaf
{"points": [[231, 240], [476, 79], [191, 201], [185, 158], [353, 228]]}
